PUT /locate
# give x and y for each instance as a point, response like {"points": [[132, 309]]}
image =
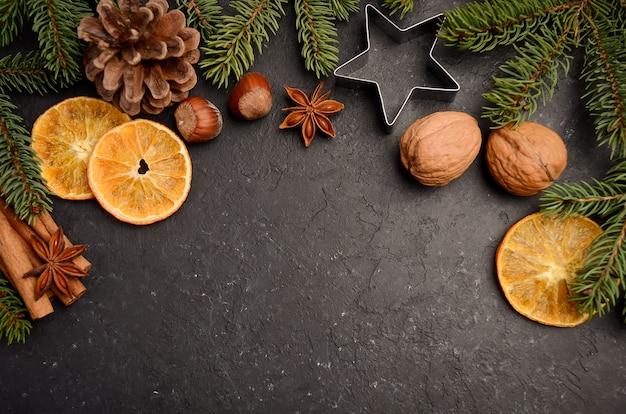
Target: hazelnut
{"points": [[251, 97], [198, 120]]}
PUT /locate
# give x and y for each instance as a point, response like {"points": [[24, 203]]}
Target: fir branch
{"points": [[480, 27], [530, 77], [55, 22], [598, 198], [21, 184], [343, 8], [11, 20], [202, 15], [230, 52], [14, 325], [402, 6], [605, 97], [25, 73], [317, 36], [596, 288]]}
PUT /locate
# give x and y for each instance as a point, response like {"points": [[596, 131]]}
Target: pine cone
{"points": [[140, 57]]}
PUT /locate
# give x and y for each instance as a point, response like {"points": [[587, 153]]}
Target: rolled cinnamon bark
{"points": [[15, 263], [38, 229], [44, 226]]}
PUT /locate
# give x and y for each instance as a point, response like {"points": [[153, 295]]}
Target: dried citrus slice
{"points": [[140, 172], [63, 137], [537, 259]]}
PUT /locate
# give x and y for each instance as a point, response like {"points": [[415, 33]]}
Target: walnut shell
{"points": [[440, 147], [527, 159]]}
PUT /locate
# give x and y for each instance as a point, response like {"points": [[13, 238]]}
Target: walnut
{"points": [[440, 147], [140, 57], [527, 159]]}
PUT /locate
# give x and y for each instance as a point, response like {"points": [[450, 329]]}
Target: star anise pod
{"points": [[312, 113], [58, 265]]}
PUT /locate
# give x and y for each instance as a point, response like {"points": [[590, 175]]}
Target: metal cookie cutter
{"points": [[344, 73]]}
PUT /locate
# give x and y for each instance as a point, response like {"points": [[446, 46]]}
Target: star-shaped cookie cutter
{"points": [[449, 86]]}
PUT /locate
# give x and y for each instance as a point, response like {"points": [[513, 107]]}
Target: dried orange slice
{"points": [[140, 172], [537, 259], [63, 137]]}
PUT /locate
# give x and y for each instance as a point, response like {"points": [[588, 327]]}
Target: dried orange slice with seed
{"points": [[537, 259], [140, 172], [63, 136]]}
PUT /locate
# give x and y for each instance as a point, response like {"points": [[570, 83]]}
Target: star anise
{"points": [[312, 113], [57, 265]]}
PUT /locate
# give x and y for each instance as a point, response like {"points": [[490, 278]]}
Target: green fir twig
{"points": [[26, 73], [342, 9], [605, 97], [318, 36], [231, 51], [399, 6], [21, 184], [202, 15], [233, 42], [14, 324], [11, 20], [55, 22], [598, 286], [529, 78]]}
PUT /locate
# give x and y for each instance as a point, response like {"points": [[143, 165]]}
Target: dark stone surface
{"points": [[317, 280]]}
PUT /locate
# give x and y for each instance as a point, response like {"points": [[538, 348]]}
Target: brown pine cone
{"points": [[140, 57]]}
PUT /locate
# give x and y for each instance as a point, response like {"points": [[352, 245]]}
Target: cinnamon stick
{"points": [[75, 285], [15, 263], [44, 226]]}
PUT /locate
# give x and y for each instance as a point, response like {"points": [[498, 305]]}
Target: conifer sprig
{"points": [[481, 27], [26, 73], [231, 50], [55, 22], [530, 77], [596, 289], [231, 46], [399, 6], [203, 15], [342, 9], [317, 35], [21, 184], [14, 326], [11, 20], [605, 96]]}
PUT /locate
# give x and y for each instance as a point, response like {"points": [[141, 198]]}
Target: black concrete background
{"points": [[320, 280]]}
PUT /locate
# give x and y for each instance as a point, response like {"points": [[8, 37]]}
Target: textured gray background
{"points": [[317, 280]]}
